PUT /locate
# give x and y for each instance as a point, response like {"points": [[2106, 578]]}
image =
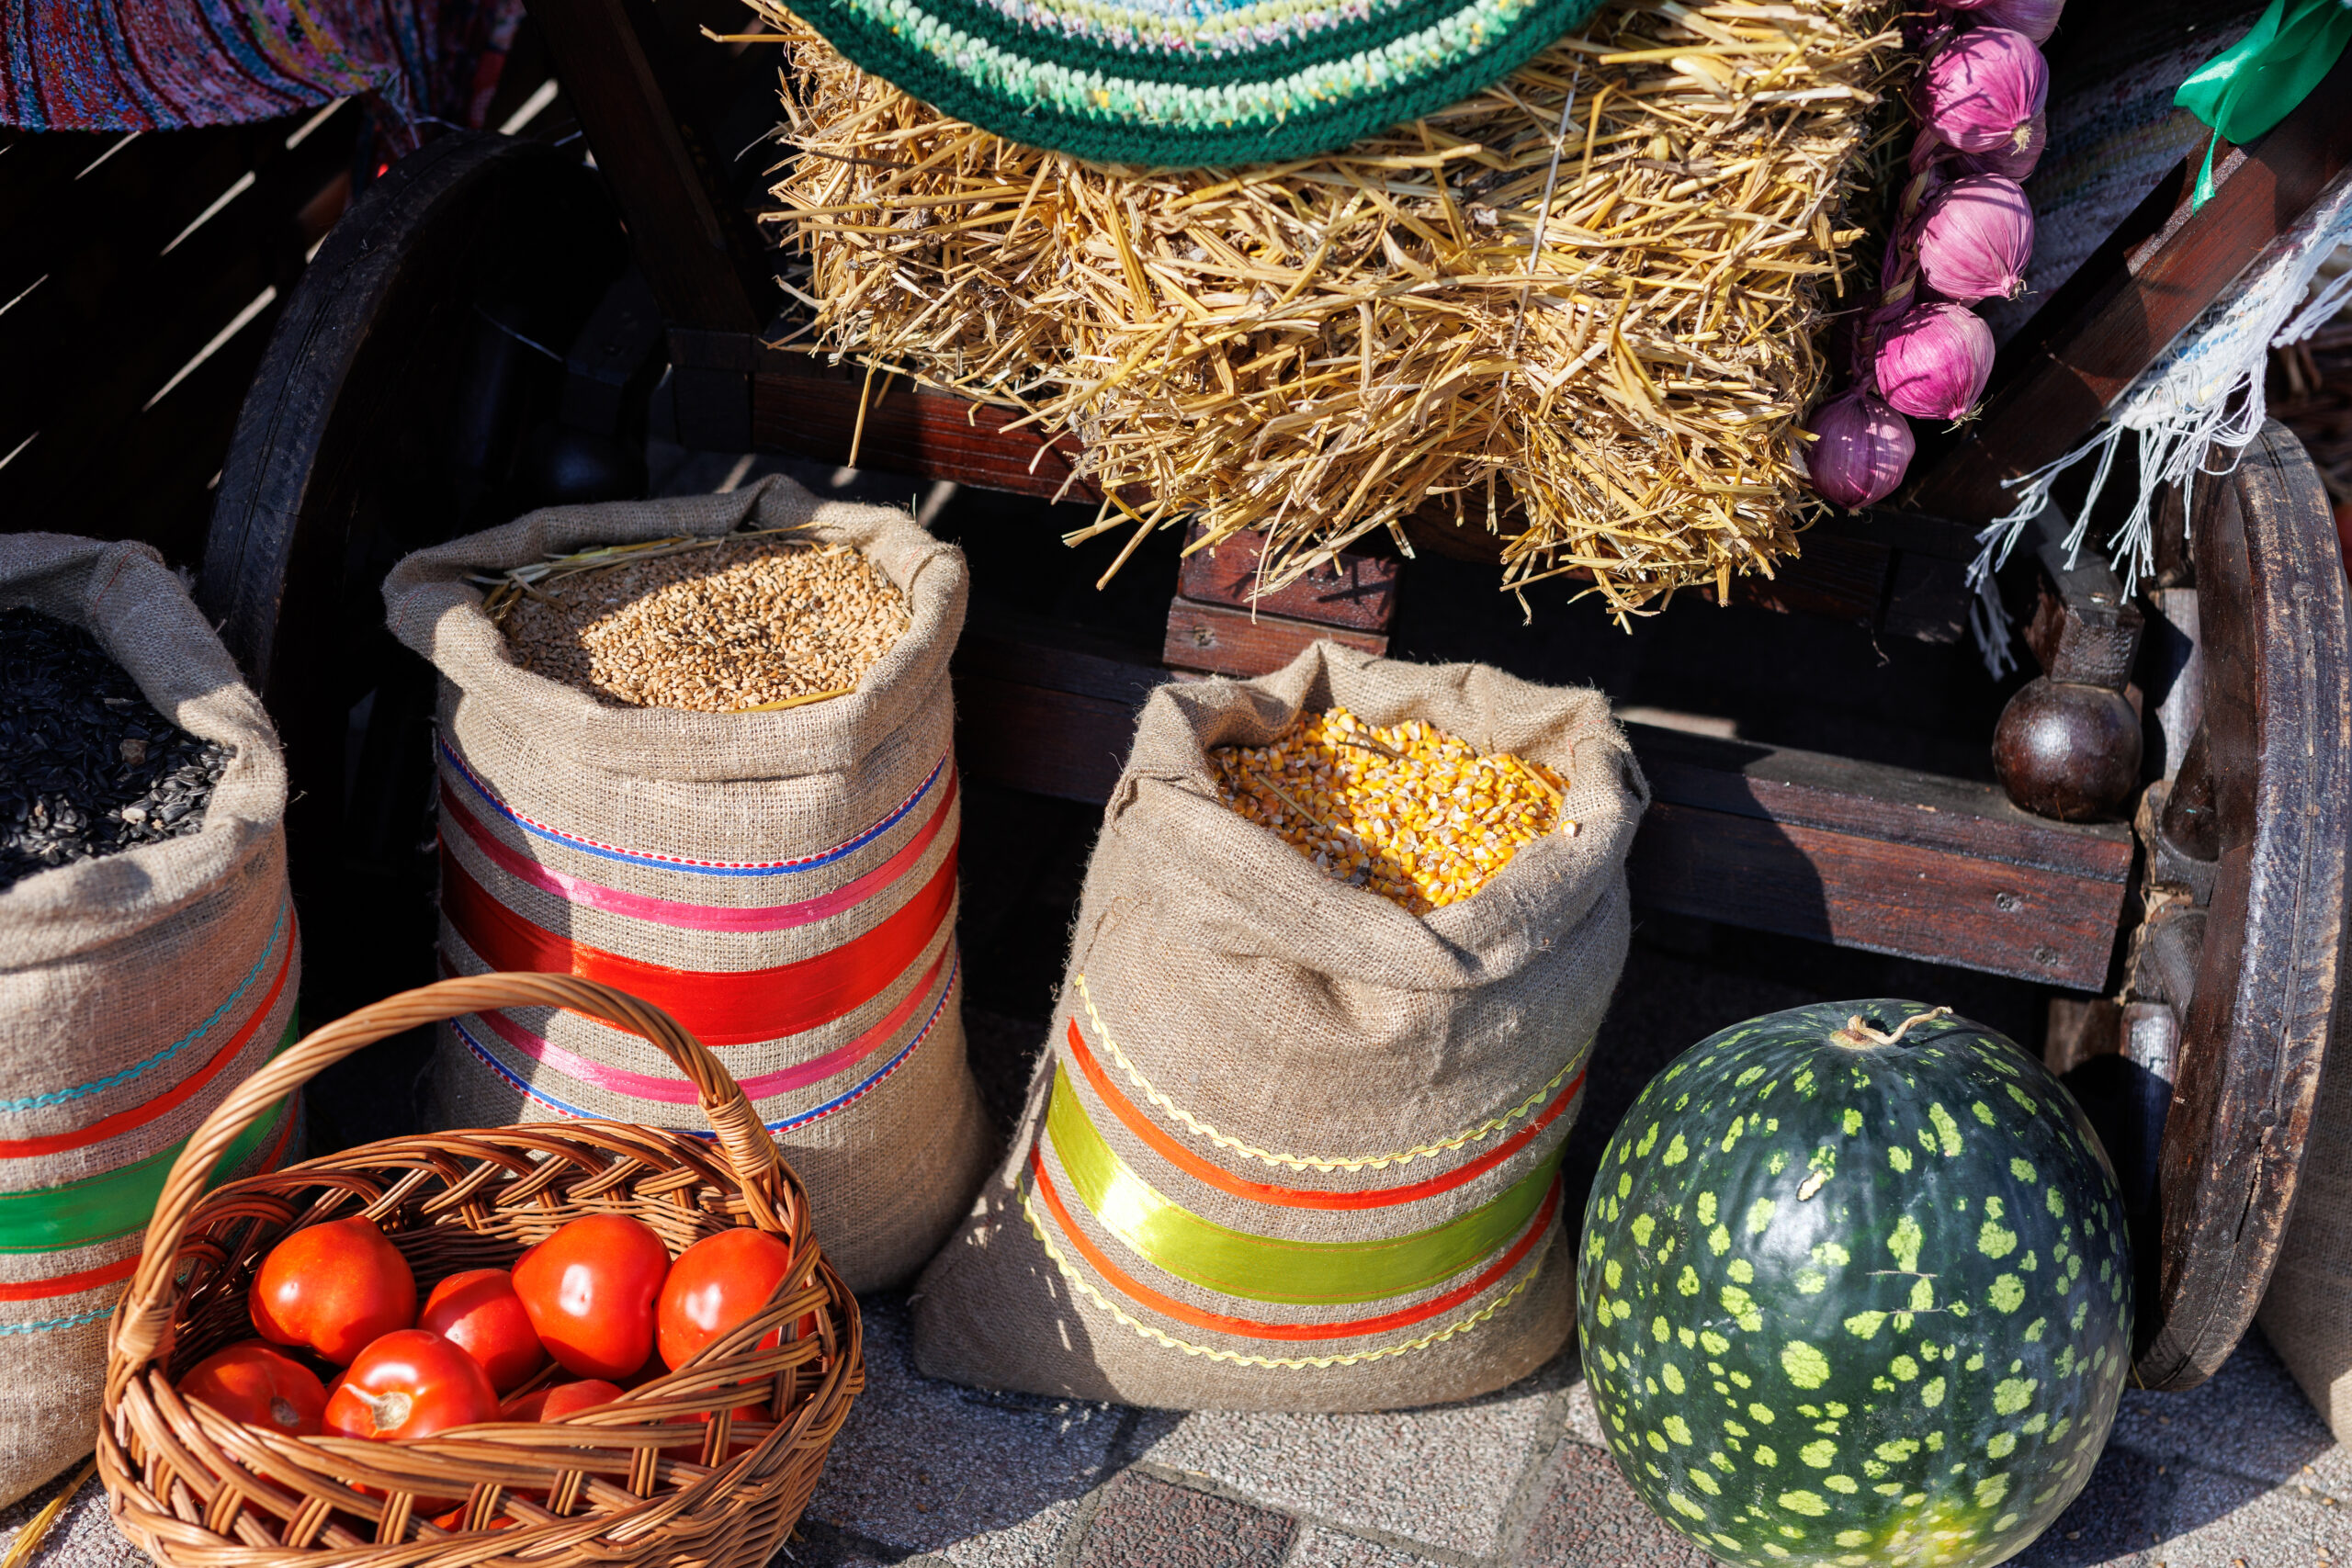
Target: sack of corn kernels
{"points": [[1333, 982], [777, 873], [149, 959]]}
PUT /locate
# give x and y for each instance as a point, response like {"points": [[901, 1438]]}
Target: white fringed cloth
{"points": [[2192, 411]]}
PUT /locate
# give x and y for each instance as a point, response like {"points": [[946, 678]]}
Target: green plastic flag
{"points": [[2252, 85]]}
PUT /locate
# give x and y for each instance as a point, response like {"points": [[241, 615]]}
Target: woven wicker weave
{"points": [[198, 1490]]}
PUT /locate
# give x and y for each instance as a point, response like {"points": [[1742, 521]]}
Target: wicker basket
{"points": [[195, 1488]]}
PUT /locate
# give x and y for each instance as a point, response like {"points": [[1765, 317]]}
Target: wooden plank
{"points": [[657, 162], [1928, 599], [92, 224], [1030, 650], [97, 197], [1893, 806], [1882, 859], [2136, 295], [811, 411], [1842, 571], [92, 241], [1899, 528], [1354, 591], [1838, 578], [1058, 743], [1877, 895], [1221, 640]]}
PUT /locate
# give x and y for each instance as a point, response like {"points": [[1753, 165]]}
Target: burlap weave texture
{"points": [[810, 852], [136, 990], [1232, 1021]]}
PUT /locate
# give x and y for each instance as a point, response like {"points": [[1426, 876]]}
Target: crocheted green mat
{"points": [[1191, 83]]}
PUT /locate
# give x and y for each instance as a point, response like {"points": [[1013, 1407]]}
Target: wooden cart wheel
{"points": [[412, 357], [2278, 763]]}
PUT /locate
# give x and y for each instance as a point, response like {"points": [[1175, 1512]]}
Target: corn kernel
{"points": [[1407, 811]]}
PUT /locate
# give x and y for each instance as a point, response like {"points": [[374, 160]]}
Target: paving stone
{"points": [[2227, 1521], [1031, 1542], [1142, 1522], [1003, 1052], [1589, 1517], [2118, 1515], [983, 1479], [1584, 1417], [82, 1537], [814, 1545], [1321, 1548], [1444, 1475], [2248, 1418]]}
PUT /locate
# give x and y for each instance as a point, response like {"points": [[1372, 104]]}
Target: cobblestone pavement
{"points": [[2238, 1475]]}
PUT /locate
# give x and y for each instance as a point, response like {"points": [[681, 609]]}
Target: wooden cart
{"points": [[478, 334]]}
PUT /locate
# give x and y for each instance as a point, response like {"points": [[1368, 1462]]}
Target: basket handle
{"points": [[146, 1310]]}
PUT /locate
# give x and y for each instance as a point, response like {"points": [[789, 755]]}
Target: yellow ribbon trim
{"points": [[1447, 1145], [1271, 1269], [1082, 1286]]}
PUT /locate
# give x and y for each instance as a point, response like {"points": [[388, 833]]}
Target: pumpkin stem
{"points": [[1858, 1033]]}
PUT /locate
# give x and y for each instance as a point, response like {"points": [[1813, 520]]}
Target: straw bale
{"points": [[1579, 310]]}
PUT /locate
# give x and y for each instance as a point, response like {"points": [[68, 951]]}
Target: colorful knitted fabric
{"points": [[167, 64], [1190, 84]]}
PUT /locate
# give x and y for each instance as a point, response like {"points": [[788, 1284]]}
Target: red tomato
{"points": [[335, 1288], [553, 1404], [524, 1407], [561, 1400], [589, 1290], [479, 1311], [260, 1385], [455, 1518], [408, 1384], [571, 1398], [717, 1283]]}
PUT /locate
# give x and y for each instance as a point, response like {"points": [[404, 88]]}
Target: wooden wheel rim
{"points": [[2279, 710]]}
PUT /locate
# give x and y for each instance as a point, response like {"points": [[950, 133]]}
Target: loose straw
{"points": [[1602, 360], [36, 1530]]}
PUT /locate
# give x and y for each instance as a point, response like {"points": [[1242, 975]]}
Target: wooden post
{"points": [[1215, 625], [621, 65]]}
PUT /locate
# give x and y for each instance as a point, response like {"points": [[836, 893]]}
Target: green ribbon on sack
{"points": [[120, 1202], [1268, 1268], [2256, 81]]}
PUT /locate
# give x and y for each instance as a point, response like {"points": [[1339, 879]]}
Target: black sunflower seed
{"points": [[87, 766]]}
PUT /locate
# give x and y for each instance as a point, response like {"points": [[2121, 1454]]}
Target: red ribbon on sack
{"points": [[719, 1007]]}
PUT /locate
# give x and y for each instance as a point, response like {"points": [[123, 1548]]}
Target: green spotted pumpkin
{"points": [[1854, 1290]]}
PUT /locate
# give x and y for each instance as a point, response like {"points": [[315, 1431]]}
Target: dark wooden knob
{"points": [[2068, 751]]}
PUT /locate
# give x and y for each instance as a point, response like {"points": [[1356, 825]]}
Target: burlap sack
{"points": [[1294, 1148], [2307, 1308], [782, 883], [136, 990]]}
